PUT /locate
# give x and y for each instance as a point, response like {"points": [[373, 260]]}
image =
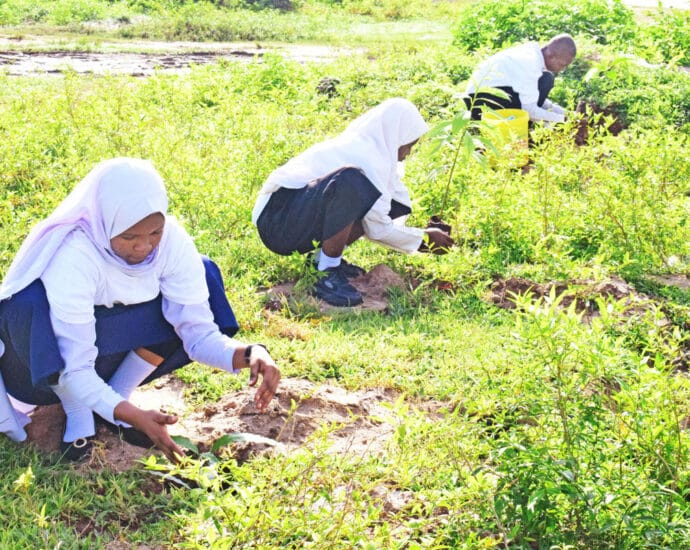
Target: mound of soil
{"points": [[597, 117], [298, 410], [583, 293], [374, 286]]}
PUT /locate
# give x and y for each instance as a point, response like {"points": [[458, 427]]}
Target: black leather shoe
{"points": [[74, 451]]}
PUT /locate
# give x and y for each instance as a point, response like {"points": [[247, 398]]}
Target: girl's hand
{"points": [[261, 363], [154, 424]]}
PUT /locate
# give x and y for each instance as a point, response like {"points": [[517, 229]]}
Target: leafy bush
{"points": [[641, 93], [669, 34], [497, 23], [526, 428]]}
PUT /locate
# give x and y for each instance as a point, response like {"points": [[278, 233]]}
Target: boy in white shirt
{"points": [[526, 74]]}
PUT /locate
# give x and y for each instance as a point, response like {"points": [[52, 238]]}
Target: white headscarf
{"points": [[114, 196], [370, 142]]}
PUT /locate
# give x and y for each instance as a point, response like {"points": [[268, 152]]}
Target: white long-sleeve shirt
{"points": [[519, 67], [76, 280], [371, 143]]}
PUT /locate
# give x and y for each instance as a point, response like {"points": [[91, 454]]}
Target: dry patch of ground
{"points": [[375, 287], [583, 293], [299, 409], [585, 297]]}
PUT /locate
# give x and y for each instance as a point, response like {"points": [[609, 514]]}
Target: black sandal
{"points": [[74, 451]]}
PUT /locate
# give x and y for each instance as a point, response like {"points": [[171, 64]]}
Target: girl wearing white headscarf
{"points": [[342, 189], [106, 293]]}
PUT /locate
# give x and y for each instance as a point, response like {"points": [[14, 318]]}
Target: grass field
{"points": [[556, 419]]}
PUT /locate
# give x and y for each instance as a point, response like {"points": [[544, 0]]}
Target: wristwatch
{"points": [[248, 352]]}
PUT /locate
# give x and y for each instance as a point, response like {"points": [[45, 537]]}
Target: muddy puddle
{"points": [[33, 57]]}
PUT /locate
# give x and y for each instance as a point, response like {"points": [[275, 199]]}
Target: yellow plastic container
{"points": [[511, 135]]}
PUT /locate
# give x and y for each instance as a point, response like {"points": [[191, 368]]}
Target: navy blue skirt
{"points": [[294, 219], [32, 360]]}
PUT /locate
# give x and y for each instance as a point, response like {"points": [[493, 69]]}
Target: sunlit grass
{"points": [[510, 428]]}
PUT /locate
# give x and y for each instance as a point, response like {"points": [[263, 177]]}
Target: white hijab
{"points": [[114, 196], [370, 142]]}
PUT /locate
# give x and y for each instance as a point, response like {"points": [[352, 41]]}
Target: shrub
{"points": [[669, 35], [496, 23]]}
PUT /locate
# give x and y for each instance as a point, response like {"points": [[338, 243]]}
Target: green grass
{"points": [[545, 431]]}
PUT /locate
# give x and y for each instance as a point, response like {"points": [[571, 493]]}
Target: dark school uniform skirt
{"points": [[294, 219], [32, 360]]}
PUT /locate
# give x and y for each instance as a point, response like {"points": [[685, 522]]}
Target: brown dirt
{"points": [[298, 410], [374, 286], [583, 293], [679, 281], [597, 117]]}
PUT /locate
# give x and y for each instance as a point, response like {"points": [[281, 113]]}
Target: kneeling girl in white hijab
{"points": [[107, 293], [345, 188]]}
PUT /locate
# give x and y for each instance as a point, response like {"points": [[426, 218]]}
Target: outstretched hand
{"points": [[261, 363]]}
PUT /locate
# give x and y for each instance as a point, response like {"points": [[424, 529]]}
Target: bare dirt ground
{"points": [[301, 407], [298, 410], [584, 296], [583, 293], [31, 56], [374, 287]]}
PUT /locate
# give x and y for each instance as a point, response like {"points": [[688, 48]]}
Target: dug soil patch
{"points": [[299, 409], [583, 293], [375, 287], [584, 297], [595, 117]]}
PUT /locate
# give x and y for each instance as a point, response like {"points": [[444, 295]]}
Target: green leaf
{"points": [[438, 129], [185, 442], [242, 437], [459, 124]]}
